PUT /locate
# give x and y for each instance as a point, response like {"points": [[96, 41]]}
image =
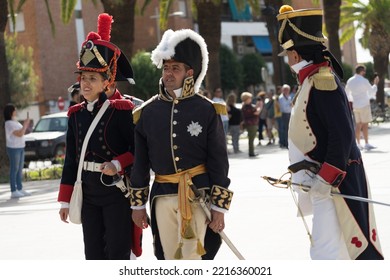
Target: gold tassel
{"points": [[188, 231], [179, 253], [200, 249]]}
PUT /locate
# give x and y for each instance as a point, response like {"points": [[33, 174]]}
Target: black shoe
{"points": [[253, 155]]}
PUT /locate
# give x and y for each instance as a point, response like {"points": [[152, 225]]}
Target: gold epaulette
{"points": [[137, 111], [324, 79], [219, 108]]}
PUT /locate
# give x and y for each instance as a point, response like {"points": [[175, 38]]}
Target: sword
{"points": [[307, 188], [117, 180], [199, 197]]}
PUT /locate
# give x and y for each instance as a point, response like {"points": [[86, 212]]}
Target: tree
{"points": [[5, 96], [146, 83], [269, 12], [332, 25], [252, 64], [209, 21], [373, 18], [231, 70], [23, 80]]}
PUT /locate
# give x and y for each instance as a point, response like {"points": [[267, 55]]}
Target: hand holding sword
{"points": [[216, 227]]}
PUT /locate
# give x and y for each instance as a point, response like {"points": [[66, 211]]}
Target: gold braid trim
{"points": [[221, 197], [321, 40], [139, 197]]}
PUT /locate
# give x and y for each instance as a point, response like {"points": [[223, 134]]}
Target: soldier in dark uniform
{"points": [[321, 131], [106, 212], [74, 91], [179, 135]]}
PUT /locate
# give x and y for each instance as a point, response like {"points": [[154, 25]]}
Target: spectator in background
{"points": [[260, 102], [285, 102], [14, 135], [250, 115], [360, 91], [218, 97], [270, 108], [235, 119], [74, 91]]}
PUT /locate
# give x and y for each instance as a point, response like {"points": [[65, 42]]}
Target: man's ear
{"points": [[190, 73], [296, 57]]}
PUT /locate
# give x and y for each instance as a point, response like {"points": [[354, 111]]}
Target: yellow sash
{"points": [[185, 194]]}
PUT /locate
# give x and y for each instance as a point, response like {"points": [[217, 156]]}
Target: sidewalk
{"points": [[262, 221]]}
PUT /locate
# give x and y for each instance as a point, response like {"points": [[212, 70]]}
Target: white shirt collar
{"points": [[91, 104], [297, 67]]}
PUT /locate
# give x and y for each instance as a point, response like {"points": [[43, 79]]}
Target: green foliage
{"points": [[22, 77], [369, 71], [67, 8], [50, 173], [289, 76], [147, 75], [231, 70], [348, 72], [252, 64]]}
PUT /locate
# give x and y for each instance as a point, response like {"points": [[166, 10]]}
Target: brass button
{"points": [[174, 122], [174, 135], [175, 111], [179, 170], [176, 101], [175, 147], [177, 158]]}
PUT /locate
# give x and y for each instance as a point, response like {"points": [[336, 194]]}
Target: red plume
{"points": [[104, 26]]}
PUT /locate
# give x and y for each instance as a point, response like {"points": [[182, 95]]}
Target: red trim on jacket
{"points": [[65, 193], [125, 160], [332, 174], [116, 95], [122, 104], [310, 70], [74, 108]]}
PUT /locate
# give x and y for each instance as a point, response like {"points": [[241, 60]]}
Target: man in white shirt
{"points": [[360, 91]]}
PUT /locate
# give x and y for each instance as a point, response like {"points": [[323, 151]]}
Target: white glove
{"points": [[320, 188]]}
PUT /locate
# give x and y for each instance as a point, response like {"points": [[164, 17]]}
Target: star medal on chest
{"points": [[194, 128]]}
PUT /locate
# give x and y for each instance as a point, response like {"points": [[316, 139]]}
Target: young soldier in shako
{"points": [[106, 212], [180, 136], [321, 131]]}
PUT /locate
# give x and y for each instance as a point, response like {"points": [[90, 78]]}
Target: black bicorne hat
{"points": [[184, 46], [300, 27]]}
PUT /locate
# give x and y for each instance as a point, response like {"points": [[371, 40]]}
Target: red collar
{"points": [[116, 95], [310, 70]]}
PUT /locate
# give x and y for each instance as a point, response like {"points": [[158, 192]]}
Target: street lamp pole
{"points": [[79, 25]]}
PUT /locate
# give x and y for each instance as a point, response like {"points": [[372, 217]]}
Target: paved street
{"points": [[262, 221]]}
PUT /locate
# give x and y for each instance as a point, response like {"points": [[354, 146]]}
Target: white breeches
{"points": [[328, 242], [169, 224]]}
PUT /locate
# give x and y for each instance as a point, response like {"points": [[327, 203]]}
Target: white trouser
{"points": [[169, 224], [328, 242]]}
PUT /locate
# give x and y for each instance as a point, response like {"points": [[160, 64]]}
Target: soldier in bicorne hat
{"points": [[321, 131], [106, 213], [179, 135]]}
